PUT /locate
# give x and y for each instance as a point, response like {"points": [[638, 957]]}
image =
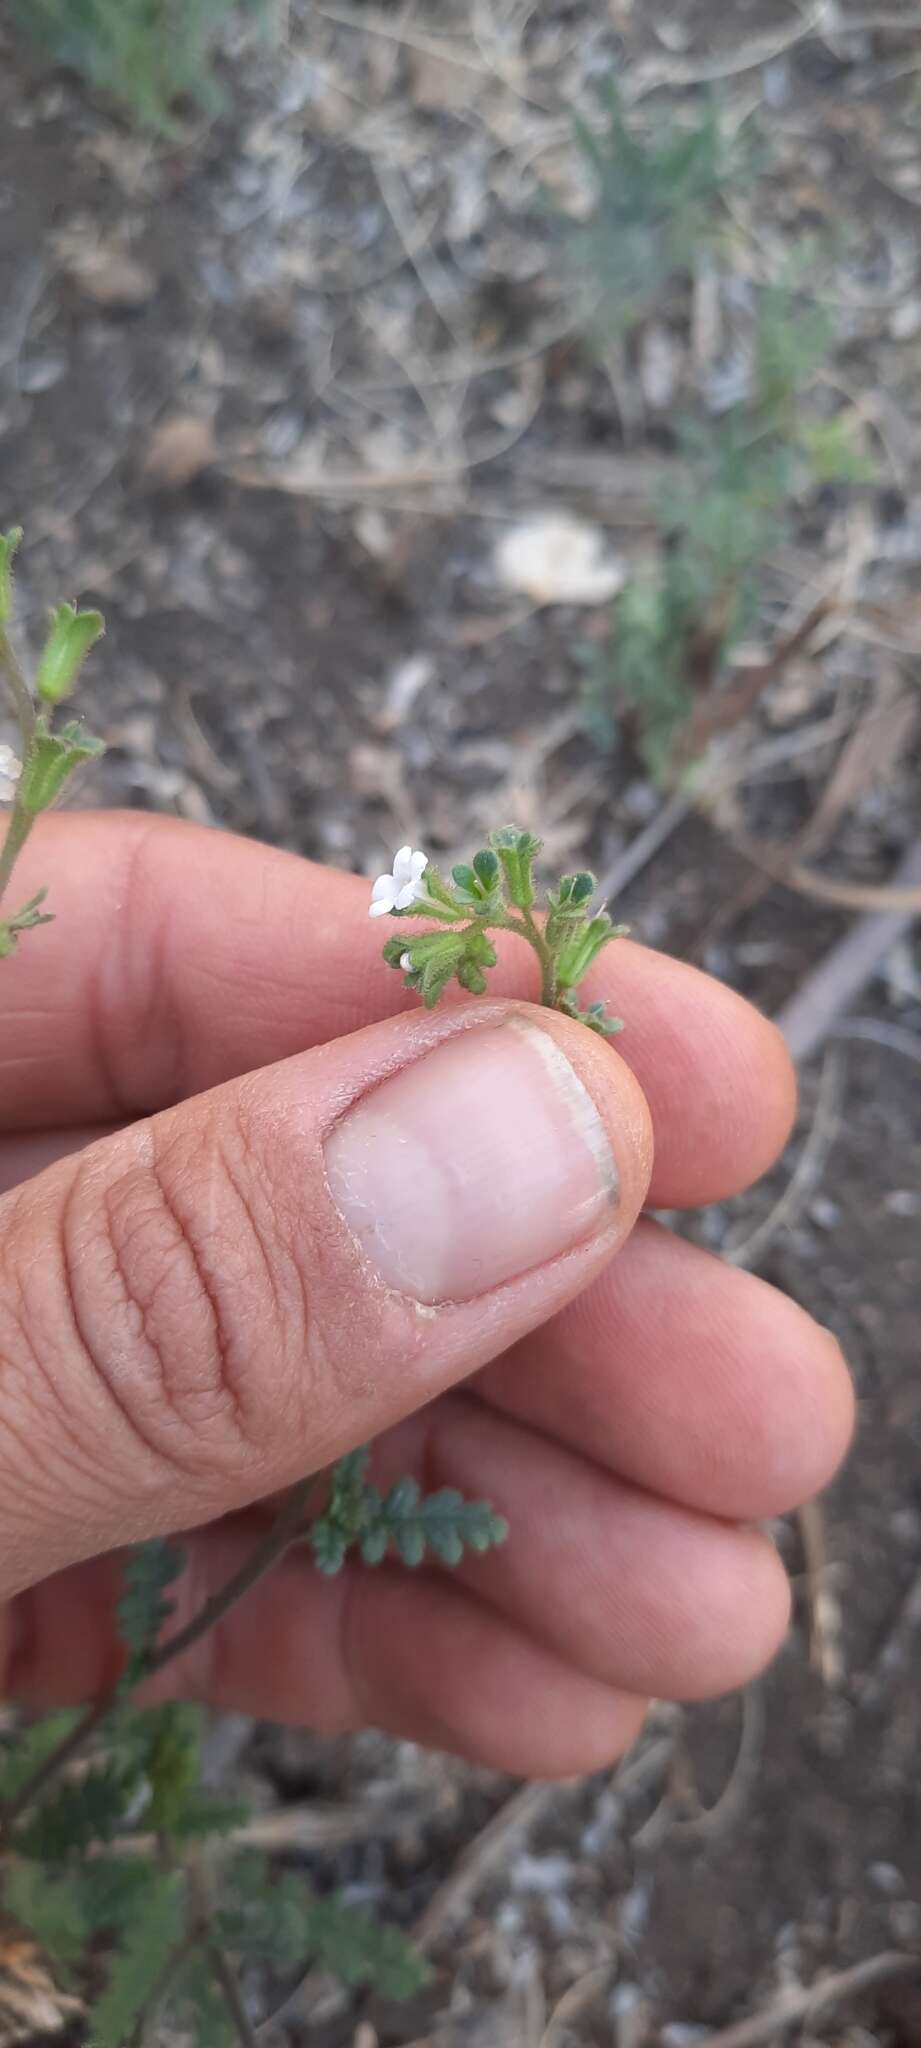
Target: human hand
{"points": [[225, 1260]]}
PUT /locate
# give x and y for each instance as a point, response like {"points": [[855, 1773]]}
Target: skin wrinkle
{"points": [[74, 1309], [80, 1465], [137, 959], [222, 1376]]}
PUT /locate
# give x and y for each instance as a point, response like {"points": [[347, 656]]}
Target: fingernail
{"points": [[481, 1160]]}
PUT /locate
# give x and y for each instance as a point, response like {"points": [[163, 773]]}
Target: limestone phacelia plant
{"points": [[497, 892], [131, 1878]]}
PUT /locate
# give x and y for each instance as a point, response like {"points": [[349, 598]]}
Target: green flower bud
{"points": [[52, 757], [580, 946], [70, 638], [9, 542], [517, 852]]}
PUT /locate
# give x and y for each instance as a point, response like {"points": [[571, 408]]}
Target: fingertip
{"points": [[744, 1621], [717, 1075]]}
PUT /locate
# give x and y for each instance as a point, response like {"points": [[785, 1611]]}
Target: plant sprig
{"points": [[497, 891], [50, 754]]}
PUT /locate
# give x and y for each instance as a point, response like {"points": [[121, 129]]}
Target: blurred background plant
{"points": [[150, 57]]}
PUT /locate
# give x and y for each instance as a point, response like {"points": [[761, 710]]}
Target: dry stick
{"points": [[805, 2002], [260, 1561], [500, 1835], [827, 1630], [714, 1820], [808, 1170], [812, 1013]]}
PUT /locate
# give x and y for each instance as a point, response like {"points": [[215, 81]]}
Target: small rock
{"points": [[884, 1877], [905, 320], [905, 1921], [41, 373], [824, 1212], [178, 451], [108, 276], [554, 558]]}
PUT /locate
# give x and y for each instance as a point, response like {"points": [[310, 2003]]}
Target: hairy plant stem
{"points": [[173, 1964], [220, 1963], [549, 990], [17, 832], [527, 929], [277, 1540]]}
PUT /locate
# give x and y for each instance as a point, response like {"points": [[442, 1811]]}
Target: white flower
{"points": [[10, 771], [406, 962], [399, 890]]}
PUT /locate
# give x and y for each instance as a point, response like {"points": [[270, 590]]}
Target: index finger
{"points": [[181, 957]]}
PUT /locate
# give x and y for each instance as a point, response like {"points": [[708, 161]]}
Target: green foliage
{"points": [[283, 1922], [148, 55], [140, 1960], [143, 1610], [25, 1752], [359, 1517], [659, 194], [50, 1909], [361, 1951], [75, 1814], [744, 472]]}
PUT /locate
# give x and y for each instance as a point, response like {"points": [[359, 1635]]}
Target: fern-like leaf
{"points": [[143, 1608], [138, 1966], [283, 1923], [359, 1517], [362, 1951], [443, 1522], [75, 1814]]}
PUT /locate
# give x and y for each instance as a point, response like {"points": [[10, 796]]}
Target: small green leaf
{"points": [[71, 635], [329, 1546], [9, 545]]}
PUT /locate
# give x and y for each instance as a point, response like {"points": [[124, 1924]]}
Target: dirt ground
{"points": [[269, 394]]}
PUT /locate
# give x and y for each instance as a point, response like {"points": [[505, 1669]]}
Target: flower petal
{"points": [[406, 896], [381, 908]]}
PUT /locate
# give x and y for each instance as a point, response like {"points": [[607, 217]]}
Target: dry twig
{"points": [[797, 2002], [806, 1175], [826, 1626]]}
